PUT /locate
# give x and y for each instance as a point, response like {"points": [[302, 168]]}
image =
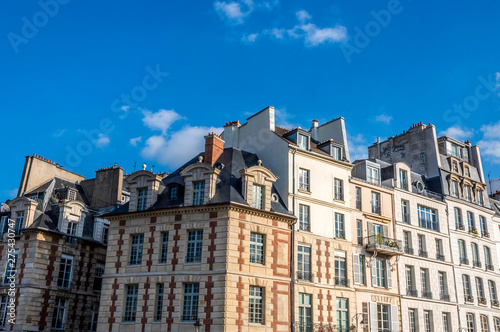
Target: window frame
{"points": [[136, 249], [198, 192], [142, 198], [257, 248], [130, 300], [194, 246], [256, 303], [190, 301]]}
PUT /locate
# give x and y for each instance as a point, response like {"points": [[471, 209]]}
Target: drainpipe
{"points": [[453, 268], [292, 269]]}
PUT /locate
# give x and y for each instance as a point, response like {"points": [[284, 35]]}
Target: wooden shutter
{"points": [[373, 317], [388, 271], [394, 318], [355, 268], [374, 272], [385, 229], [369, 229]]}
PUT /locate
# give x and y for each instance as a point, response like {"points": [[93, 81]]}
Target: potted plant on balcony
{"points": [[474, 233]]}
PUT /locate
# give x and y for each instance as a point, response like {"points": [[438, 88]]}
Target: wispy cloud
{"points": [[250, 38], [490, 142], [102, 140], [161, 120], [234, 11], [135, 140], [491, 130], [383, 118], [358, 147], [457, 132], [12, 193], [59, 133]]}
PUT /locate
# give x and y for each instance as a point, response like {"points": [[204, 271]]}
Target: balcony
{"points": [[440, 257], [383, 245], [376, 209], [412, 292], [469, 298], [427, 295], [344, 282], [304, 276], [423, 253], [481, 300], [476, 263], [490, 267], [495, 303], [409, 251], [464, 261], [444, 297]]}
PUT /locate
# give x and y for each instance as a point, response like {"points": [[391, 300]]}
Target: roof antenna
{"points": [[135, 163], [153, 169]]}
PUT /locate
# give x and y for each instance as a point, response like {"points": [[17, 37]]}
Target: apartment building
{"points": [[207, 247]]}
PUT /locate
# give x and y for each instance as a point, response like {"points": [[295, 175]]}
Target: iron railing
{"points": [[464, 261], [409, 251], [423, 253], [319, 327], [440, 257], [383, 242], [341, 282], [469, 298], [412, 292], [444, 297], [427, 295], [490, 267], [476, 263], [481, 300], [375, 209], [304, 276], [495, 303]]}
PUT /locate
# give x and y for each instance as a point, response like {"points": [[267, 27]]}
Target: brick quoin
{"points": [[119, 253], [239, 309], [112, 308], [23, 263], [329, 307], [318, 262], [149, 263], [211, 248], [274, 302], [170, 308], [87, 275], [208, 307], [241, 249], [327, 264], [145, 297], [320, 306], [46, 297], [274, 254], [175, 249]]}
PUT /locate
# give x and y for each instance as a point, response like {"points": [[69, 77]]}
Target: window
{"points": [[428, 321], [412, 320], [443, 286], [71, 195], [164, 247], [487, 259], [475, 255], [439, 250], [493, 293], [72, 229], [338, 186], [340, 271], [383, 317], [405, 211], [467, 171], [305, 312], [358, 198], [422, 248], [410, 280], [19, 222], [198, 192], [467, 193], [304, 179], [454, 188], [380, 273], [136, 249], [375, 202], [470, 221], [496, 321], [256, 305], [257, 248], [372, 175], [467, 289], [462, 252], [480, 199], [470, 322], [10, 268], [173, 192], [142, 198], [160, 288], [342, 314], [258, 197], [446, 322], [403, 179], [424, 279], [427, 218], [339, 226], [105, 234], [359, 265], [303, 142], [65, 269], [484, 323], [304, 263], [190, 302], [455, 167], [194, 244], [94, 319], [484, 226], [458, 219], [359, 232], [304, 224], [99, 271], [130, 310], [407, 243], [59, 317], [480, 291], [336, 153], [4, 301], [4, 225]]}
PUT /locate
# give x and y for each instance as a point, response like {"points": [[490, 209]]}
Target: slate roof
{"points": [[281, 132], [59, 185]]}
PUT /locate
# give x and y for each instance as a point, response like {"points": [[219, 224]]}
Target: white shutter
{"points": [[388, 272], [374, 272], [355, 268], [373, 317], [394, 318], [385, 229]]}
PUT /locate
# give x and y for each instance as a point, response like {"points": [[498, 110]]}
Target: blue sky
{"points": [[88, 83]]}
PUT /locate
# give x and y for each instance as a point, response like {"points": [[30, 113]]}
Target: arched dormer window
{"points": [[144, 186], [257, 185], [200, 180]]}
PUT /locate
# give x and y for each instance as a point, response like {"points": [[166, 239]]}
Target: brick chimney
{"points": [[214, 145]]}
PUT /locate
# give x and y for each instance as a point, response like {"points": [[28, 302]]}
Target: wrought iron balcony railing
{"points": [[440, 257], [460, 227], [481, 300], [384, 244], [341, 282], [485, 234], [444, 297], [464, 261], [375, 209], [409, 251], [321, 327], [495, 303], [412, 292], [423, 253], [490, 267], [476, 263], [304, 276], [427, 295], [469, 298]]}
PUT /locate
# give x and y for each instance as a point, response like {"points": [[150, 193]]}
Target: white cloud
{"points": [[178, 147], [135, 140], [234, 11], [276, 33], [161, 120], [59, 133], [458, 133], [250, 38], [13, 193], [358, 147], [303, 16], [102, 141], [490, 150], [285, 119], [491, 130], [383, 118]]}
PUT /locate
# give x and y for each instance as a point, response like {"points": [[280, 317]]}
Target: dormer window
{"points": [[258, 197], [71, 195], [455, 167], [456, 151], [467, 171], [336, 153], [142, 196], [173, 192], [454, 188], [372, 175], [303, 142], [480, 200], [403, 179], [467, 193], [198, 192]]}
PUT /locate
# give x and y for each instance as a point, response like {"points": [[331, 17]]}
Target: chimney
{"points": [[314, 130], [214, 145]]}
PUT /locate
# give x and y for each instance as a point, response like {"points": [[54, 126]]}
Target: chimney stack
{"points": [[314, 130], [214, 145]]}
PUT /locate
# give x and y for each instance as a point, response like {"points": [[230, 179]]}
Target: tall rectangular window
{"points": [[480, 199], [303, 142], [304, 179], [198, 192], [426, 287], [439, 250], [467, 289], [454, 188], [458, 218], [4, 224], [336, 153], [4, 301], [174, 190], [99, 272], [428, 321], [407, 243], [342, 314], [470, 221], [484, 226], [340, 271], [358, 198], [105, 234], [380, 273], [305, 312], [338, 188], [10, 268], [130, 308], [403, 179], [427, 218], [359, 232], [19, 222], [190, 302], [258, 197], [484, 323], [194, 246], [475, 255], [446, 322], [496, 322], [339, 226], [257, 248], [462, 252], [410, 280], [375, 203], [373, 175], [405, 211], [142, 198], [256, 305], [467, 193], [59, 316], [304, 224], [422, 248], [164, 247], [160, 288], [304, 263], [493, 293], [470, 321], [412, 320], [65, 270], [383, 317], [443, 286], [94, 319], [362, 270], [136, 243], [480, 290]]}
